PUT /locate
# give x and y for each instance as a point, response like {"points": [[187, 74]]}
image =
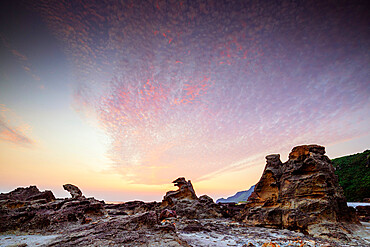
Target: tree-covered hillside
{"points": [[354, 175]]}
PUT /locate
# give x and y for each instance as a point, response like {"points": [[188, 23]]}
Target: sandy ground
{"points": [[29, 240]]}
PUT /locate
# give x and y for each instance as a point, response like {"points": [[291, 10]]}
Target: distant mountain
{"points": [[240, 196], [353, 172]]}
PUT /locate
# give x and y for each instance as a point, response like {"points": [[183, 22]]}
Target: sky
{"points": [[122, 97]]}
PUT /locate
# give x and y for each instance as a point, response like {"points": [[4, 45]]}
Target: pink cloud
{"points": [[14, 134], [185, 91]]}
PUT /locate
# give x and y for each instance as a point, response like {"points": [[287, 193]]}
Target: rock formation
{"points": [[185, 202], [29, 209], [31, 193], [73, 190], [301, 194], [185, 192], [190, 221]]}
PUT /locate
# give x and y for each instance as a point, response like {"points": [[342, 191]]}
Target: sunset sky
{"points": [[122, 97]]}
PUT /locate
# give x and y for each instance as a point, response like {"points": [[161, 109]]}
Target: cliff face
{"points": [[301, 194]]}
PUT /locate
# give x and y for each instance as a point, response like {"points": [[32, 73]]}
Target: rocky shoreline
{"points": [[296, 203]]}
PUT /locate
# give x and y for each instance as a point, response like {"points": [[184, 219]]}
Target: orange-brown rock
{"points": [[185, 191], [186, 204], [301, 194]]}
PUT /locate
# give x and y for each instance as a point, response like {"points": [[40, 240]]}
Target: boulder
{"points": [[73, 190], [301, 194]]}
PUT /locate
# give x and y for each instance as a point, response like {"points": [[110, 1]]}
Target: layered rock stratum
{"points": [[301, 194]]}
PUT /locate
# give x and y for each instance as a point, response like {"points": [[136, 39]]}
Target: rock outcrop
{"points": [[28, 209], [73, 190], [27, 194], [301, 194], [185, 192], [186, 204], [131, 207]]}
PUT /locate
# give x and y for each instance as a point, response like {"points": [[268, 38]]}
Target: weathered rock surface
{"points": [[301, 194], [185, 202], [73, 190], [27, 209], [131, 208], [190, 221], [141, 229], [185, 192], [31, 193], [363, 213]]}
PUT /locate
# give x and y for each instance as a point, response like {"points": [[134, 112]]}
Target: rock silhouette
{"points": [[73, 190]]}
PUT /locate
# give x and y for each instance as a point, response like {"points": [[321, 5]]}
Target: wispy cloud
{"points": [[195, 90], [21, 58], [15, 134]]}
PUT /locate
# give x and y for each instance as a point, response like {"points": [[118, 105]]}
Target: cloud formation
{"points": [[13, 133], [20, 58], [198, 88]]}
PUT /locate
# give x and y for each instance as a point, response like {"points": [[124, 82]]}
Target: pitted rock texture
{"points": [[186, 204], [185, 191], [30, 193], [301, 194], [28, 209]]}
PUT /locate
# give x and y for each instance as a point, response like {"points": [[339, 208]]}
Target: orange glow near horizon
{"points": [[122, 98]]}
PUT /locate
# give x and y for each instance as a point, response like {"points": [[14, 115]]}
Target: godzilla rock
{"points": [[301, 194], [73, 190]]}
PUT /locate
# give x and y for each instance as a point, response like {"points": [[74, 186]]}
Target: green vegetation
{"points": [[353, 172]]}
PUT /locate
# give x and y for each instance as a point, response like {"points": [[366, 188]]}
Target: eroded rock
{"points": [[186, 204], [363, 213], [301, 194], [73, 190], [166, 213], [185, 192], [27, 194], [28, 209]]}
